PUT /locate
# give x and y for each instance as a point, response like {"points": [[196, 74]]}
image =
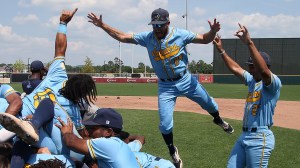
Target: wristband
{"points": [[62, 28], [221, 53]]}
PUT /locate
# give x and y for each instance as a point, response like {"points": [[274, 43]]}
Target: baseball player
{"points": [[104, 147], [57, 93], [168, 56], [38, 71], [253, 148]]}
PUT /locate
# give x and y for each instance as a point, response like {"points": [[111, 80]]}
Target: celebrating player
{"points": [[56, 96], [168, 56], [254, 146], [104, 147]]}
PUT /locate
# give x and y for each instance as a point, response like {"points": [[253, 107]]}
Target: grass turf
{"points": [[203, 144]]}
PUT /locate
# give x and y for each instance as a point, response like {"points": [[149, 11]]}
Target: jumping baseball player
{"points": [[253, 148], [168, 56]]}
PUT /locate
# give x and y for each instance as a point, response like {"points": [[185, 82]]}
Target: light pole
{"points": [[185, 16], [132, 59], [28, 64], [104, 66], [120, 66]]}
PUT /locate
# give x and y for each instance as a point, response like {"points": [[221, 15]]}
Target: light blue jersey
{"points": [[112, 152], [146, 160], [169, 59], [6, 90], [168, 56], [255, 144], [64, 108], [261, 101], [49, 88]]}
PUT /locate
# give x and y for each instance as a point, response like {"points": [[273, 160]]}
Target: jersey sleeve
{"points": [[6, 90], [99, 148], [141, 38], [275, 84], [57, 69], [135, 146], [187, 36], [247, 78]]}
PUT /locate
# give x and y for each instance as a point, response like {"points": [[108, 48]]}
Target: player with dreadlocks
{"points": [[81, 82], [56, 96]]}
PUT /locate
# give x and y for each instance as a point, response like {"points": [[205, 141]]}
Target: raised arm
{"points": [[209, 36], [61, 37], [257, 59], [235, 68], [114, 33]]}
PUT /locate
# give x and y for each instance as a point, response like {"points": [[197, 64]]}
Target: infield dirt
{"points": [[287, 113]]}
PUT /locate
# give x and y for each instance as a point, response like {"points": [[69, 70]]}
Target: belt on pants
{"points": [[174, 79], [254, 129]]}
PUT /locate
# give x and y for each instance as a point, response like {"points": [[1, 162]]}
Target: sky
{"points": [[28, 27]]}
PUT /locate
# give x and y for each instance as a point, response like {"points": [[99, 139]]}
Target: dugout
{"points": [[284, 53]]}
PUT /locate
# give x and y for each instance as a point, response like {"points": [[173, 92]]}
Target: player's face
{"points": [[253, 71], [98, 131], [161, 30]]}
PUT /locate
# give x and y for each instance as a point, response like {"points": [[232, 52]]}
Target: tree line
{"points": [[112, 66]]}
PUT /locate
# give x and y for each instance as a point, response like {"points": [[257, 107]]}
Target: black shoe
{"points": [[225, 126]]}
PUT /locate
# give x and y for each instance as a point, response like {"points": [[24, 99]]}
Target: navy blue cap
{"points": [[159, 16], [36, 65], [106, 117], [29, 85], [265, 56]]}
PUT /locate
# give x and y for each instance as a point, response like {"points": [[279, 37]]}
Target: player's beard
{"points": [[160, 34]]}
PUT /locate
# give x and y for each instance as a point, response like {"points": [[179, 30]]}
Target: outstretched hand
{"points": [[218, 42], [215, 27], [67, 15], [65, 128], [97, 21], [243, 34]]}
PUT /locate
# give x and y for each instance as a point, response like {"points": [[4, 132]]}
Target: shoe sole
{"points": [[13, 124]]}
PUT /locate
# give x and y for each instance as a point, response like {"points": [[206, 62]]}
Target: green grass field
{"points": [[201, 143], [204, 145], [229, 91]]}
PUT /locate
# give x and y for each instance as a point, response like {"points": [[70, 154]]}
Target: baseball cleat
{"points": [[225, 126], [176, 159], [23, 129]]}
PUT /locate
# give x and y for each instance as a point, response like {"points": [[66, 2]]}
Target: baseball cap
{"points": [[105, 117], [36, 65], [159, 16], [29, 85], [265, 56]]}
